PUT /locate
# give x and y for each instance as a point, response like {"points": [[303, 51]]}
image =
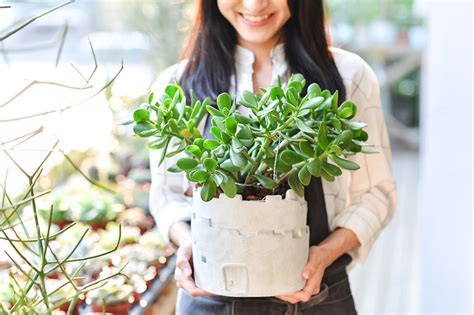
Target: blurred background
{"points": [[420, 50]]}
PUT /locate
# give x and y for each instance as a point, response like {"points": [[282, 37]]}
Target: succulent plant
{"points": [[292, 133]]}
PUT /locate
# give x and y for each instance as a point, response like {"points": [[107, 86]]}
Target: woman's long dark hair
{"points": [[210, 49]]}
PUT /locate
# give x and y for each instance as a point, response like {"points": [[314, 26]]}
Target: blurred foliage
{"points": [[356, 12], [164, 22]]}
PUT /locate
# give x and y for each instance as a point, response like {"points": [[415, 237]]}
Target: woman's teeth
{"points": [[256, 18]]}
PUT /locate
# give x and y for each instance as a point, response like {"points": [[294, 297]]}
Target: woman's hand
{"points": [[183, 272], [318, 261]]}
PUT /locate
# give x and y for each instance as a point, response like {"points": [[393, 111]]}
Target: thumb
{"points": [[308, 271]]}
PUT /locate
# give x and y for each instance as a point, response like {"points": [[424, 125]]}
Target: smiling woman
{"points": [[239, 45]]}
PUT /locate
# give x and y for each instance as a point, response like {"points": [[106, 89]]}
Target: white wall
{"points": [[445, 220]]}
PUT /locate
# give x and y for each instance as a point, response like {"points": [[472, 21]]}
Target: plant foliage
{"points": [[292, 133]]}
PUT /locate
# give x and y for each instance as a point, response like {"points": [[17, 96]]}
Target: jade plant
{"points": [[292, 132]]}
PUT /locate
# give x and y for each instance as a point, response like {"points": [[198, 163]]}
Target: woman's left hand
{"points": [[313, 273]]}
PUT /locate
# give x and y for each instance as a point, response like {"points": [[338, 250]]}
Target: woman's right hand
{"points": [[184, 271]]}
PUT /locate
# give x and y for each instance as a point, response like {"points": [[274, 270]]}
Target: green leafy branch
{"points": [[290, 135]]}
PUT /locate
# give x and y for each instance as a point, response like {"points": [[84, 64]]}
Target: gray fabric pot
{"points": [[247, 248]]}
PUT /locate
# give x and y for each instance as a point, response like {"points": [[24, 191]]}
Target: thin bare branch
{"points": [[78, 71], [20, 301], [52, 237], [27, 135], [17, 165], [30, 188], [44, 160], [61, 44], [20, 253], [18, 266], [95, 60], [68, 255], [98, 255], [35, 82], [23, 201], [62, 109], [11, 226], [109, 190], [32, 19]]}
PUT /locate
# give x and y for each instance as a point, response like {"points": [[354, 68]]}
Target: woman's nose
{"points": [[254, 6]]}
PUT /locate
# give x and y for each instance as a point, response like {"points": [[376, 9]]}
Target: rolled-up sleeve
{"points": [[372, 188], [167, 200]]}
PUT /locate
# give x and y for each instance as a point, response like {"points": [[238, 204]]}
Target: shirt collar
{"points": [[245, 57]]}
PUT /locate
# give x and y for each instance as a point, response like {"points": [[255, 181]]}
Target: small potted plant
{"points": [[135, 217], [249, 230], [115, 297], [95, 209], [61, 210]]}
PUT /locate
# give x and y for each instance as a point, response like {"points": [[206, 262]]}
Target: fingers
{"points": [[288, 298], [188, 284], [312, 286], [183, 272], [308, 271], [183, 257]]}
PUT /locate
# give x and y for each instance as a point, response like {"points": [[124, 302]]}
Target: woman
{"points": [[241, 45]]}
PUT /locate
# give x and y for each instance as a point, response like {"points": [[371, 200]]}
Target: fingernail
{"points": [[305, 275]]}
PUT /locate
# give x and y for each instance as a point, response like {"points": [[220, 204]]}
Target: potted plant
{"points": [[61, 210], [115, 297], [95, 209], [135, 217], [249, 230]]}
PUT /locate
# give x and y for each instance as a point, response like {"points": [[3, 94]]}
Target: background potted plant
{"points": [[115, 297], [249, 214]]}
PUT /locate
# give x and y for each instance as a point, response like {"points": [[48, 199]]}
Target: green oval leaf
{"points": [[213, 111], [327, 176], [248, 99], [237, 158], [208, 190], [186, 163], [314, 89], [345, 164], [347, 110], [141, 115], [276, 93], [314, 166], [211, 144], [323, 140], [243, 119], [354, 125], [331, 169], [295, 184], [303, 127], [224, 102], [229, 187], [291, 157], [210, 164], [266, 181], [228, 166], [313, 102], [194, 150], [144, 129], [304, 176], [198, 176], [230, 125], [307, 149]]}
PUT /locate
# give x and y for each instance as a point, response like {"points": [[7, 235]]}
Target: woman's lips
{"points": [[256, 20]]}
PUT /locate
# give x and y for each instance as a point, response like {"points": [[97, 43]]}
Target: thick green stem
{"points": [[258, 159]]}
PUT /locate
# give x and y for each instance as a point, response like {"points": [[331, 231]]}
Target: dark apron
{"points": [[334, 298]]}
